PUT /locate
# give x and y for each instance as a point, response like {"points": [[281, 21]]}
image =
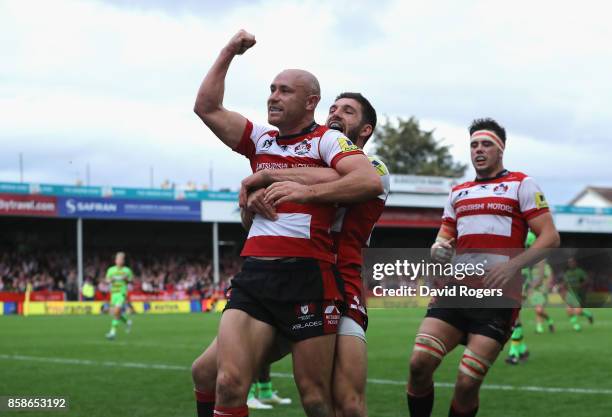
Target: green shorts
{"points": [[117, 300], [538, 298]]}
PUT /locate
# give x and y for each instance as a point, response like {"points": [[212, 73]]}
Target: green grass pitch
{"points": [[147, 372]]}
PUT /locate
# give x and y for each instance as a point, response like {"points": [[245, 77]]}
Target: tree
{"points": [[406, 149]]}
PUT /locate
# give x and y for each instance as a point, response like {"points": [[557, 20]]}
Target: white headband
{"points": [[488, 135]]}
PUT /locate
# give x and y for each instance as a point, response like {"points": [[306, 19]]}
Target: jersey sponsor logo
{"points": [[267, 144], [471, 207], [540, 201], [283, 165], [380, 168], [300, 326], [500, 206], [302, 148], [500, 189], [346, 145], [332, 309], [488, 206], [332, 315], [271, 165]]}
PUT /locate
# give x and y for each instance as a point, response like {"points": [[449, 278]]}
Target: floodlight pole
{"points": [[80, 254], [21, 167], [215, 243]]}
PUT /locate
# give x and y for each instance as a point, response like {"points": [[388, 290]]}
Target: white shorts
{"points": [[349, 327]]}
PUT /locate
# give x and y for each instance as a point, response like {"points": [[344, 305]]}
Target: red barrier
{"points": [[47, 296], [158, 296], [7, 297]]}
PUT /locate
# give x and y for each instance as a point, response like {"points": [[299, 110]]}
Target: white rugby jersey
{"points": [[493, 213], [301, 230]]}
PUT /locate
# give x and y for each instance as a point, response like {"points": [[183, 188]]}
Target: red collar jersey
{"points": [[301, 230], [494, 213]]}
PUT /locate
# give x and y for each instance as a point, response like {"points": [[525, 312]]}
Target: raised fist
{"points": [[241, 41]]}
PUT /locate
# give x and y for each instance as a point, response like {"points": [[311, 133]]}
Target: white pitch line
{"points": [[70, 361], [488, 387], [376, 381], [201, 346]]}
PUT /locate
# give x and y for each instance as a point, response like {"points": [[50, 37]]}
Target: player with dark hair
{"points": [[493, 212], [288, 283], [352, 114]]}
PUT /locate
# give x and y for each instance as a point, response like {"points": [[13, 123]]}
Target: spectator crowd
{"points": [[56, 271]]}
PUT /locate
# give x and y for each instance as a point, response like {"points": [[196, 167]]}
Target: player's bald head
{"points": [[304, 79], [294, 95]]}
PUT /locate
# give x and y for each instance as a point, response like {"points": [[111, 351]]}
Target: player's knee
{"points": [[426, 356], [422, 367], [195, 371], [467, 388], [314, 394], [352, 406], [231, 385], [316, 406], [203, 377], [472, 370]]}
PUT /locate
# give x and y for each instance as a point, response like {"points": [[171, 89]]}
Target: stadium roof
{"points": [[593, 197]]}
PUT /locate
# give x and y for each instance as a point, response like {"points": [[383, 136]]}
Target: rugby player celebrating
{"points": [[353, 114], [288, 283]]}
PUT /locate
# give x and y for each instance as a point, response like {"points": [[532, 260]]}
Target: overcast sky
{"points": [[111, 84]]}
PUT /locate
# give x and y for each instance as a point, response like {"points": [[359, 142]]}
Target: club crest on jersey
{"points": [[500, 189], [302, 148], [305, 311]]}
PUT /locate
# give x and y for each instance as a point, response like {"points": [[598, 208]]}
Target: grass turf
{"points": [[68, 356]]}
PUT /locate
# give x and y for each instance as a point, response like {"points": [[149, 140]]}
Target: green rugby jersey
{"points": [[119, 278], [536, 275], [575, 277]]}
